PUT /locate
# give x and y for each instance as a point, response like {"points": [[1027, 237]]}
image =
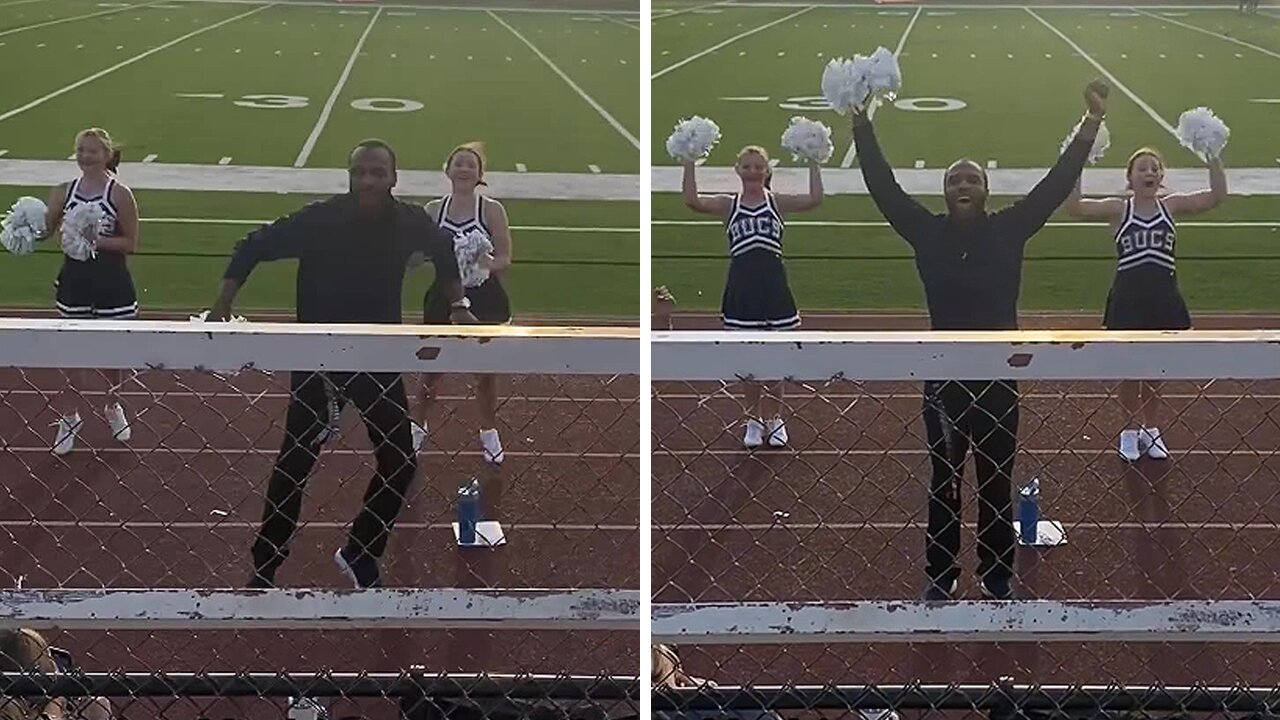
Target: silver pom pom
{"points": [[24, 226], [808, 139], [1100, 143], [844, 86], [862, 82], [693, 139], [473, 250], [1203, 132], [80, 230], [884, 77]]}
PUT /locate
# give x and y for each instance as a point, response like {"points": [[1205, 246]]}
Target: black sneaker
{"points": [[997, 587], [940, 591], [363, 570]]}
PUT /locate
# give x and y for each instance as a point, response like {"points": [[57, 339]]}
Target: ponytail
{"points": [[114, 163]]}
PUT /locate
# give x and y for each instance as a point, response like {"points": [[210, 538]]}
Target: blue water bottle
{"points": [[468, 512], [1029, 511]]}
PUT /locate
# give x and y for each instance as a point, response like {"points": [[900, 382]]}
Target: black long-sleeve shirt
{"points": [[350, 266], [972, 270]]}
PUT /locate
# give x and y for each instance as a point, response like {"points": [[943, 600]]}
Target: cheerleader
{"points": [[100, 287], [462, 211], [756, 293], [1144, 294]]}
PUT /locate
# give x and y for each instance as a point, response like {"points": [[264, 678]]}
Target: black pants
{"points": [[380, 398], [958, 415]]}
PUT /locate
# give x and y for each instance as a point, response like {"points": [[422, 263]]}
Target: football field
{"points": [[1000, 84], [229, 111]]}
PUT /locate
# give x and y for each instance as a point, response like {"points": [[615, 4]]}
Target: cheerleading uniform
{"points": [[100, 287], [756, 293], [1145, 294], [489, 301]]}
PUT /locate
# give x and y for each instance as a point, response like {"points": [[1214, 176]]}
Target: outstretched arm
{"points": [[1083, 208], [900, 209], [284, 238], [1201, 200], [801, 203], [708, 204]]}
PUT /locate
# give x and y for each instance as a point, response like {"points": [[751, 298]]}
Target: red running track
{"points": [[177, 507], [839, 515]]}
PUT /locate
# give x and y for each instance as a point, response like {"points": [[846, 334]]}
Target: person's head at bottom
{"points": [[965, 188], [371, 173]]}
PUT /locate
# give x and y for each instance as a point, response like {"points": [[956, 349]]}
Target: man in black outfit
{"points": [[970, 263], [352, 251]]}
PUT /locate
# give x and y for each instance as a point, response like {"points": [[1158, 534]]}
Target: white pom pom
{"points": [[693, 139], [844, 86], [884, 77], [1100, 143], [80, 229], [473, 251], [862, 82], [24, 226], [808, 139], [1203, 132]]}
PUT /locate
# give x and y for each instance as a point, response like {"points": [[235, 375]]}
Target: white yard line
{"points": [[852, 152], [695, 8], [623, 23], [1115, 82], [613, 122], [1211, 33], [73, 18], [305, 153], [730, 41], [125, 63]]}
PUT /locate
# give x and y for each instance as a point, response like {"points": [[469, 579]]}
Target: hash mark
{"points": [[225, 161]]}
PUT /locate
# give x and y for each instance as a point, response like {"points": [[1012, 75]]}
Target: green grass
{"points": [[180, 265], [1018, 109], [474, 77], [1067, 268], [1017, 112]]}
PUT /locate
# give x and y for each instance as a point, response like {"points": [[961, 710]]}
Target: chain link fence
{"points": [[232, 429], [828, 559]]}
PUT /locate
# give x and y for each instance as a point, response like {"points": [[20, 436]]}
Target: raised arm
{"points": [[284, 238], [1082, 208], [902, 211], [1025, 217], [127, 222], [710, 204], [801, 203], [1200, 201]]}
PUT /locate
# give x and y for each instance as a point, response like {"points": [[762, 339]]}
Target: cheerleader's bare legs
{"points": [[486, 404]]}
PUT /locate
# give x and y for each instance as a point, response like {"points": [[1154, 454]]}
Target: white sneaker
{"points": [[68, 426], [777, 430], [1129, 449], [419, 434], [492, 447], [754, 436], [1155, 447], [119, 422]]}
